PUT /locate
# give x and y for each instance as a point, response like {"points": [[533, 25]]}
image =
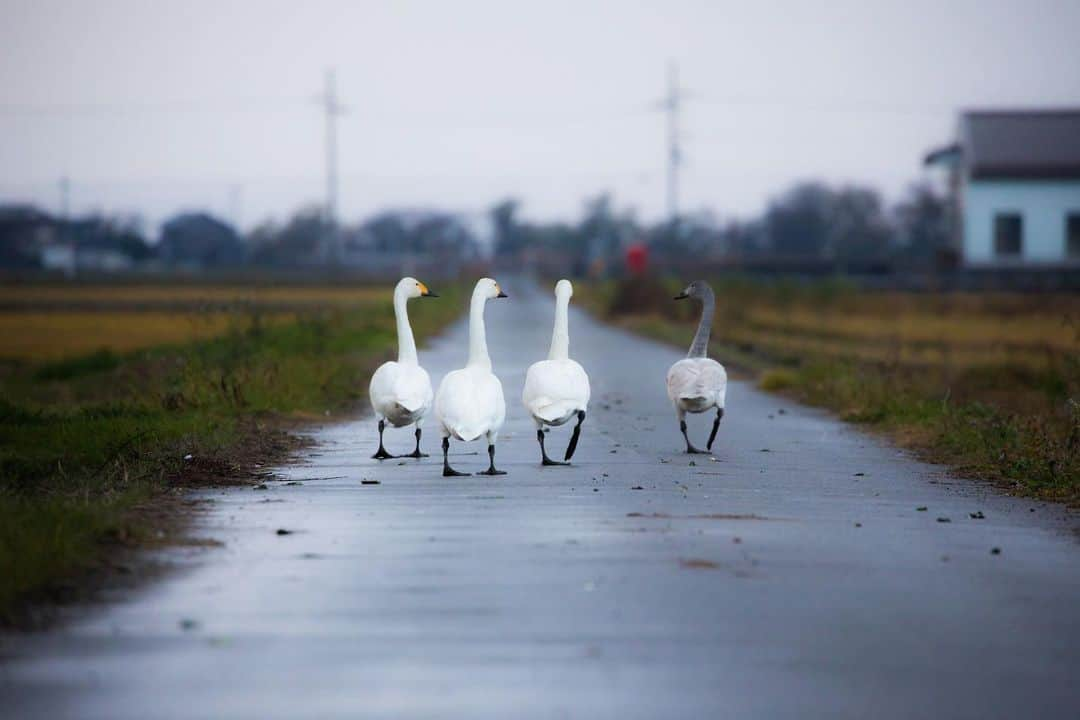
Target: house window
{"points": [[1008, 234], [1072, 235]]}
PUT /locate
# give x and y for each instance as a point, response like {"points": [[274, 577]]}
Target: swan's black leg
{"points": [[448, 471], [715, 427], [416, 453], [689, 446], [381, 454], [574, 438], [543, 453], [491, 467]]}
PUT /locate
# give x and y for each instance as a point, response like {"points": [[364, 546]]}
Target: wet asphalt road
{"points": [[792, 576]]}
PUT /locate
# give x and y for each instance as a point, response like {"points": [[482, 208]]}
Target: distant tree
{"points": [[857, 226], [508, 236], [298, 242], [743, 238], [599, 231], [200, 240], [390, 234], [118, 234], [22, 231], [798, 223], [922, 222]]}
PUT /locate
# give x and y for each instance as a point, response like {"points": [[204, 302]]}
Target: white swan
{"points": [[470, 401], [557, 389], [697, 383], [400, 392]]}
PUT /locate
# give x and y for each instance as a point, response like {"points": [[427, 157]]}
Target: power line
{"points": [[251, 104]]}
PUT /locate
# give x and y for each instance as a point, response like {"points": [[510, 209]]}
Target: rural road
{"points": [[791, 577]]}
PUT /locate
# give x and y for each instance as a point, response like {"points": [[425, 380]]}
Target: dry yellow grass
{"points": [[61, 320], [173, 293], [1034, 330], [948, 330], [53, 335]]}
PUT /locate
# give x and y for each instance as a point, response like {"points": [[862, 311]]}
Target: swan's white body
{"points": [[470, 402], [557, 389], [696, 384], [400, 391]]}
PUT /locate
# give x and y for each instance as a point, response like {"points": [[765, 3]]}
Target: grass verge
{"points": [[93, 447], [988, 384]]}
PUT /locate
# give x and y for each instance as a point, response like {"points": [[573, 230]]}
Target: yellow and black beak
{"points": [[500, 291], [424, 292]]}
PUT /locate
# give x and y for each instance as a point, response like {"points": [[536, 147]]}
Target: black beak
{"points": [[502, 294], [681, 296], [431, 294]]}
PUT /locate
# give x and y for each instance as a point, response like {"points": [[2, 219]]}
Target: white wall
{"points": [[1043, 205]]}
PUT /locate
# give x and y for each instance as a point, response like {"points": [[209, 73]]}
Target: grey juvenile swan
{"points": [[697, 383]]}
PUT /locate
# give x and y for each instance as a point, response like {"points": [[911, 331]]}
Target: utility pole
{"points": [[671, 106], [333, 109]]}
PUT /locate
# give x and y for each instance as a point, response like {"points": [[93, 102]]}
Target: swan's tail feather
{"points": [[551, 412], [467, 434], [410, 405]]}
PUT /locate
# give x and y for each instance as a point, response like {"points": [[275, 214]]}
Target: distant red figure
{"points": [[637, 258]]}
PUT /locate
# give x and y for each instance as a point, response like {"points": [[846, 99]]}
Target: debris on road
{"points": [[698, 564]]}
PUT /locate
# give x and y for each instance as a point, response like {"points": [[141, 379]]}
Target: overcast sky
{"points": [[154, 106]]}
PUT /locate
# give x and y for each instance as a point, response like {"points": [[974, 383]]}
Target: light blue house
{"points": [[1015, 179]]}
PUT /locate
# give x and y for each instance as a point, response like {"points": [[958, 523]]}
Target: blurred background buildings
{"points": [[785, 140]]}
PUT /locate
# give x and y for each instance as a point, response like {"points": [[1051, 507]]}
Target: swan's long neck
{"points": [[700, 347], [478, 352], [406, 341], [560, 336]]}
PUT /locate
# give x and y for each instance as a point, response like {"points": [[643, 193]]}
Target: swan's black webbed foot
{"points": [[448, 471], [574, 438], [381, 453], [715, 427], [689, 445], [416, 453], [543, 453], [491, 466]]}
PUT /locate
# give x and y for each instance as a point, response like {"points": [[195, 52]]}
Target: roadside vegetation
{"points": [[988, 383], [116, 404]]}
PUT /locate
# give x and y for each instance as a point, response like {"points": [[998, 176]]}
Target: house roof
{"points": [[1022, 144]]}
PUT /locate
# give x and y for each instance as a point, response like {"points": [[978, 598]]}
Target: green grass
{"points": [[987, 383], [86, 444]]}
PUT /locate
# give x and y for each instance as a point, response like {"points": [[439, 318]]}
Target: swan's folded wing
{"points": [[697, 379], [412, 389], [381, 388], [470, 405], [553, 389]]}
